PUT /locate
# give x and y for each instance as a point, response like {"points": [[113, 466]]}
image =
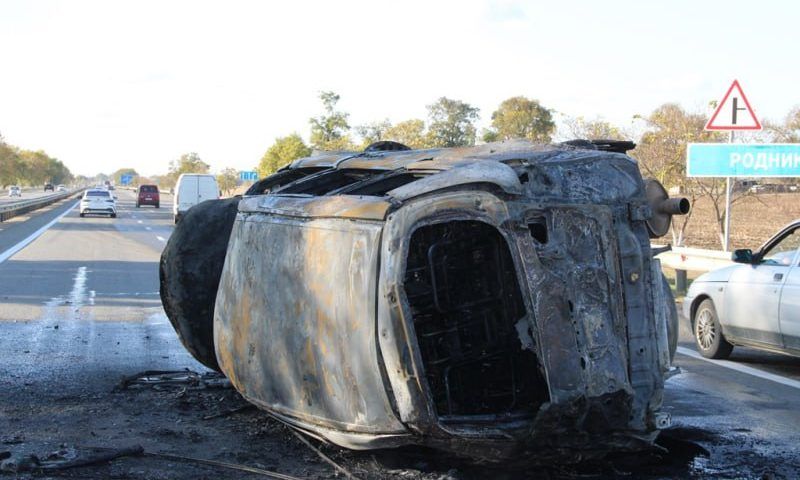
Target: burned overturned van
{"points": [[495, 300]]}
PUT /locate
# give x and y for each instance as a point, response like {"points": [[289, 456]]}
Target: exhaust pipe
{"points": [[674, 206], [663, 208]]}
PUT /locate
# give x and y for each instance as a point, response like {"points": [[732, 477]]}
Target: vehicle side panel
{"points": [[295, 321]]}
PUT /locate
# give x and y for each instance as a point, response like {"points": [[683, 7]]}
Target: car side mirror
{"points": [[743, 255]]}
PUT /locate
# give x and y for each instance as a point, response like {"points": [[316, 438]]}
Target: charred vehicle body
{"points": [[494, 300]]}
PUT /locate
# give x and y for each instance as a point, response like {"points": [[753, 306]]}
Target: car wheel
{"points": [[708, 332], [190, 271], [82, 215], [158, 205], [113, 215], [137, 205]]}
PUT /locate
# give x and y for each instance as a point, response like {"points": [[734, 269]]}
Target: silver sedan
{"points": [[755, 303]]}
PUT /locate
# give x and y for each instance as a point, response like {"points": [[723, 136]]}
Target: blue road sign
{"points": [[248, 176], [126, 179], [743, 160]]}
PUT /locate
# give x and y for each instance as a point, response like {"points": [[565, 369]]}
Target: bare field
{"points": [[755, 218]]}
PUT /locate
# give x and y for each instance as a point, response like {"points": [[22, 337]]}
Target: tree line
{"points": [[661, 137], [449, 123], [30, 168]]}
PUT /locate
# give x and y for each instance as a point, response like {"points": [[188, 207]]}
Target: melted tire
{"points": [[190, 270], [673, 325]]}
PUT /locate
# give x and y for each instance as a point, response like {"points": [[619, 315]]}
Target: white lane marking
{"points": [[147, 228], [24, 243], [742, 368], [78, 293], [161, 238], [138, 221], [128, 294]]}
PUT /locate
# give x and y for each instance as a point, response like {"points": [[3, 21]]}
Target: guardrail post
{"points": [[680, 281]]}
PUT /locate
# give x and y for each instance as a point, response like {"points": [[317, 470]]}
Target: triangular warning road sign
{"points": [[734, 112]]}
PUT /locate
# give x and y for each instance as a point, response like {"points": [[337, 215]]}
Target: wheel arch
{"points": [[696, 303]]}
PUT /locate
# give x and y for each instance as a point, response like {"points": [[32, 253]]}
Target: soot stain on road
{"points": [[216, 424]]}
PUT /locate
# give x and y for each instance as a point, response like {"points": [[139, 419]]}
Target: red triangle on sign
{"points": [[734, 112]]}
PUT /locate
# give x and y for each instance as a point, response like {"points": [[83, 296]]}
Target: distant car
{"points": [[755, 303], [61, 188], [14, 191], [148, 195], [48, 186], [97, 201], [110, 187], [191, 189]]}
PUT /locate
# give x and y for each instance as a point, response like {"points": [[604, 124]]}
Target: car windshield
{"points": [[148, 189], [783, 252], [97, 193]]}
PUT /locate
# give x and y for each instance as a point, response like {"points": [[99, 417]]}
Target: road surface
{"points": [[79, 309], [28, 193]]}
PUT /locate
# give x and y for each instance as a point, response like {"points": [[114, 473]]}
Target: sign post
{"points": [[125, 179], [726, 241], [733, 113]]}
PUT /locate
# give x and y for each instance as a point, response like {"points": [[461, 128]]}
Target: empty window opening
{"points": [[538, 229], [279, 179], [381, 186], [329, 181], [462, 288]]}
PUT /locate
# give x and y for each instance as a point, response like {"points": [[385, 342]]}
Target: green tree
{"points": [[330, 130], [188, 163], [409, 132], [227, 180], [787, 131], [452, 123], [521, 117], [581, 128], [12, 169], [662, 154], [372, 132], [40, 168], [283, 151], [117, 176]]}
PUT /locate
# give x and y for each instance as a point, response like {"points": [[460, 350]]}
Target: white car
{"points": [[61, 188], [14, 191], [96, 201], [755, 303]]}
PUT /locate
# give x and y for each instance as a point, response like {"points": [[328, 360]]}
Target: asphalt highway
{"points": [[81, 300], [28, 193], [79, 308]]}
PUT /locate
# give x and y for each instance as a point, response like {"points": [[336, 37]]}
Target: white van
{"points": [[191, 189]]}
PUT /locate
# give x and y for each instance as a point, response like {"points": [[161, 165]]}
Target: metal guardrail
{"points": [[25, 206], [683, 259]]}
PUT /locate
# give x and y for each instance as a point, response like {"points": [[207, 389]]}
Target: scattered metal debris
{"points": [[228, 465], [324, 457], [64, 459], [174, 378]]}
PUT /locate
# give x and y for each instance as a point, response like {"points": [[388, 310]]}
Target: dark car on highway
{"points": [[48, 186], [148, 195]]}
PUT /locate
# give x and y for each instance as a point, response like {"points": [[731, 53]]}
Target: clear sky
{"points": [[109, 84]]}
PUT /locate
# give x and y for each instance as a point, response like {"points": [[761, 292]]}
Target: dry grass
{"points": [[755, 219]]}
